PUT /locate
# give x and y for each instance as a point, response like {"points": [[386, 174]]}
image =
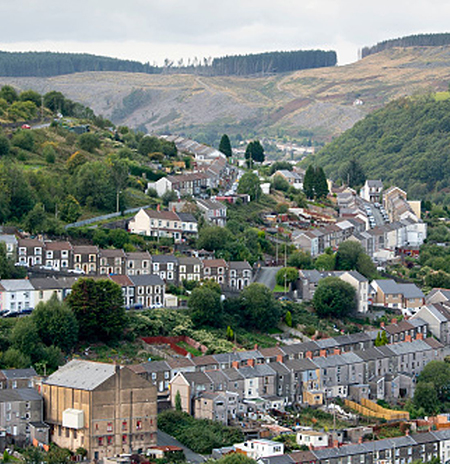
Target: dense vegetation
{"points": [[417, 40], [200, 435], [43, 64], [54, 175], [406, 143]]}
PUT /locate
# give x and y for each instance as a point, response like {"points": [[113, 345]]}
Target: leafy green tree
{"points": [[89, 142], [94, 186], [425, 397], [119, 174], [149, 145], [35, 220], [9, 93], [7, 268], [300, 260], [56, 324], [437, 373], [225, 146], [22, 111], [286, 275], [205, 306], [98, 307], [4, 145], [70, 210], [230, 333], [213, 238], [235, 458], [13, 358], [259, 308], [75, 161], [31, 96], [309, 182], [351, 256], [334, 298], [23, 139], [25, 338], [54, 101], [280, 183], [249, 184], [325, 262], [49, 154], [169, 196]]}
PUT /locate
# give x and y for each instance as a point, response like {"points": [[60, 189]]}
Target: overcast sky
{"points": [[151, 30]]}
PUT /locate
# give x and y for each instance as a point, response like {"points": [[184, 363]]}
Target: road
{"points": [[266, 276], [163, 439]]}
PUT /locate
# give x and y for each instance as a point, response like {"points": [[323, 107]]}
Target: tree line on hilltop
{"points": [[417, 40], [44, 64]]}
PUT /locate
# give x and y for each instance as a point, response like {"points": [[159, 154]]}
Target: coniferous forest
{"points": [[418, 40], [45, 64]]}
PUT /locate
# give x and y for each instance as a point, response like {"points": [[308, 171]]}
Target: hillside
{"points": [[407, 143], [63, 170], [319, 101]]}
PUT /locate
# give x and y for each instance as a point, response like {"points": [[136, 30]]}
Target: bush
{"points": [[23, 139]]}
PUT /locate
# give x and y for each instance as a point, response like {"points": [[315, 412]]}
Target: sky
{"points": [[152, 30]]}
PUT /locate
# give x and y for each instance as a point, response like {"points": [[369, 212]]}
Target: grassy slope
{"points": [[317, 99]]}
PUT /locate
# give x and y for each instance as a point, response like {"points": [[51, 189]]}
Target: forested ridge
{"points": [[406, 143], [45, 64], [417, 40]]}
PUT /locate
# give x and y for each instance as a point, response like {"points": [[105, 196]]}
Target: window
{"points": [[124, 425], [109, 440], [109, 427], [124, 438], [153, 375], [138, 425], [100, 441]]}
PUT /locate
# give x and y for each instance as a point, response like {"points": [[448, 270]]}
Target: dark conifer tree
{"points": [[225, 146], [309, 181]]}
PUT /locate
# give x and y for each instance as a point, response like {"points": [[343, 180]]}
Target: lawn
{"points": [[281, 289], [190, 349]]}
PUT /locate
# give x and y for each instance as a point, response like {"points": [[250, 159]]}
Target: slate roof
{"points": [[155, 366], [146, 279], [19, 394], [13, 374], [164, 259], [14, 285], [81, 375]]}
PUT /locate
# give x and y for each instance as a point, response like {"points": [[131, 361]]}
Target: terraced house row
{"points": [[91, 260], [232, 385], [419, 447]]}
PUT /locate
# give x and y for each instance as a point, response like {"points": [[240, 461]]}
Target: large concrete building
{"points": [[106, 409]]}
